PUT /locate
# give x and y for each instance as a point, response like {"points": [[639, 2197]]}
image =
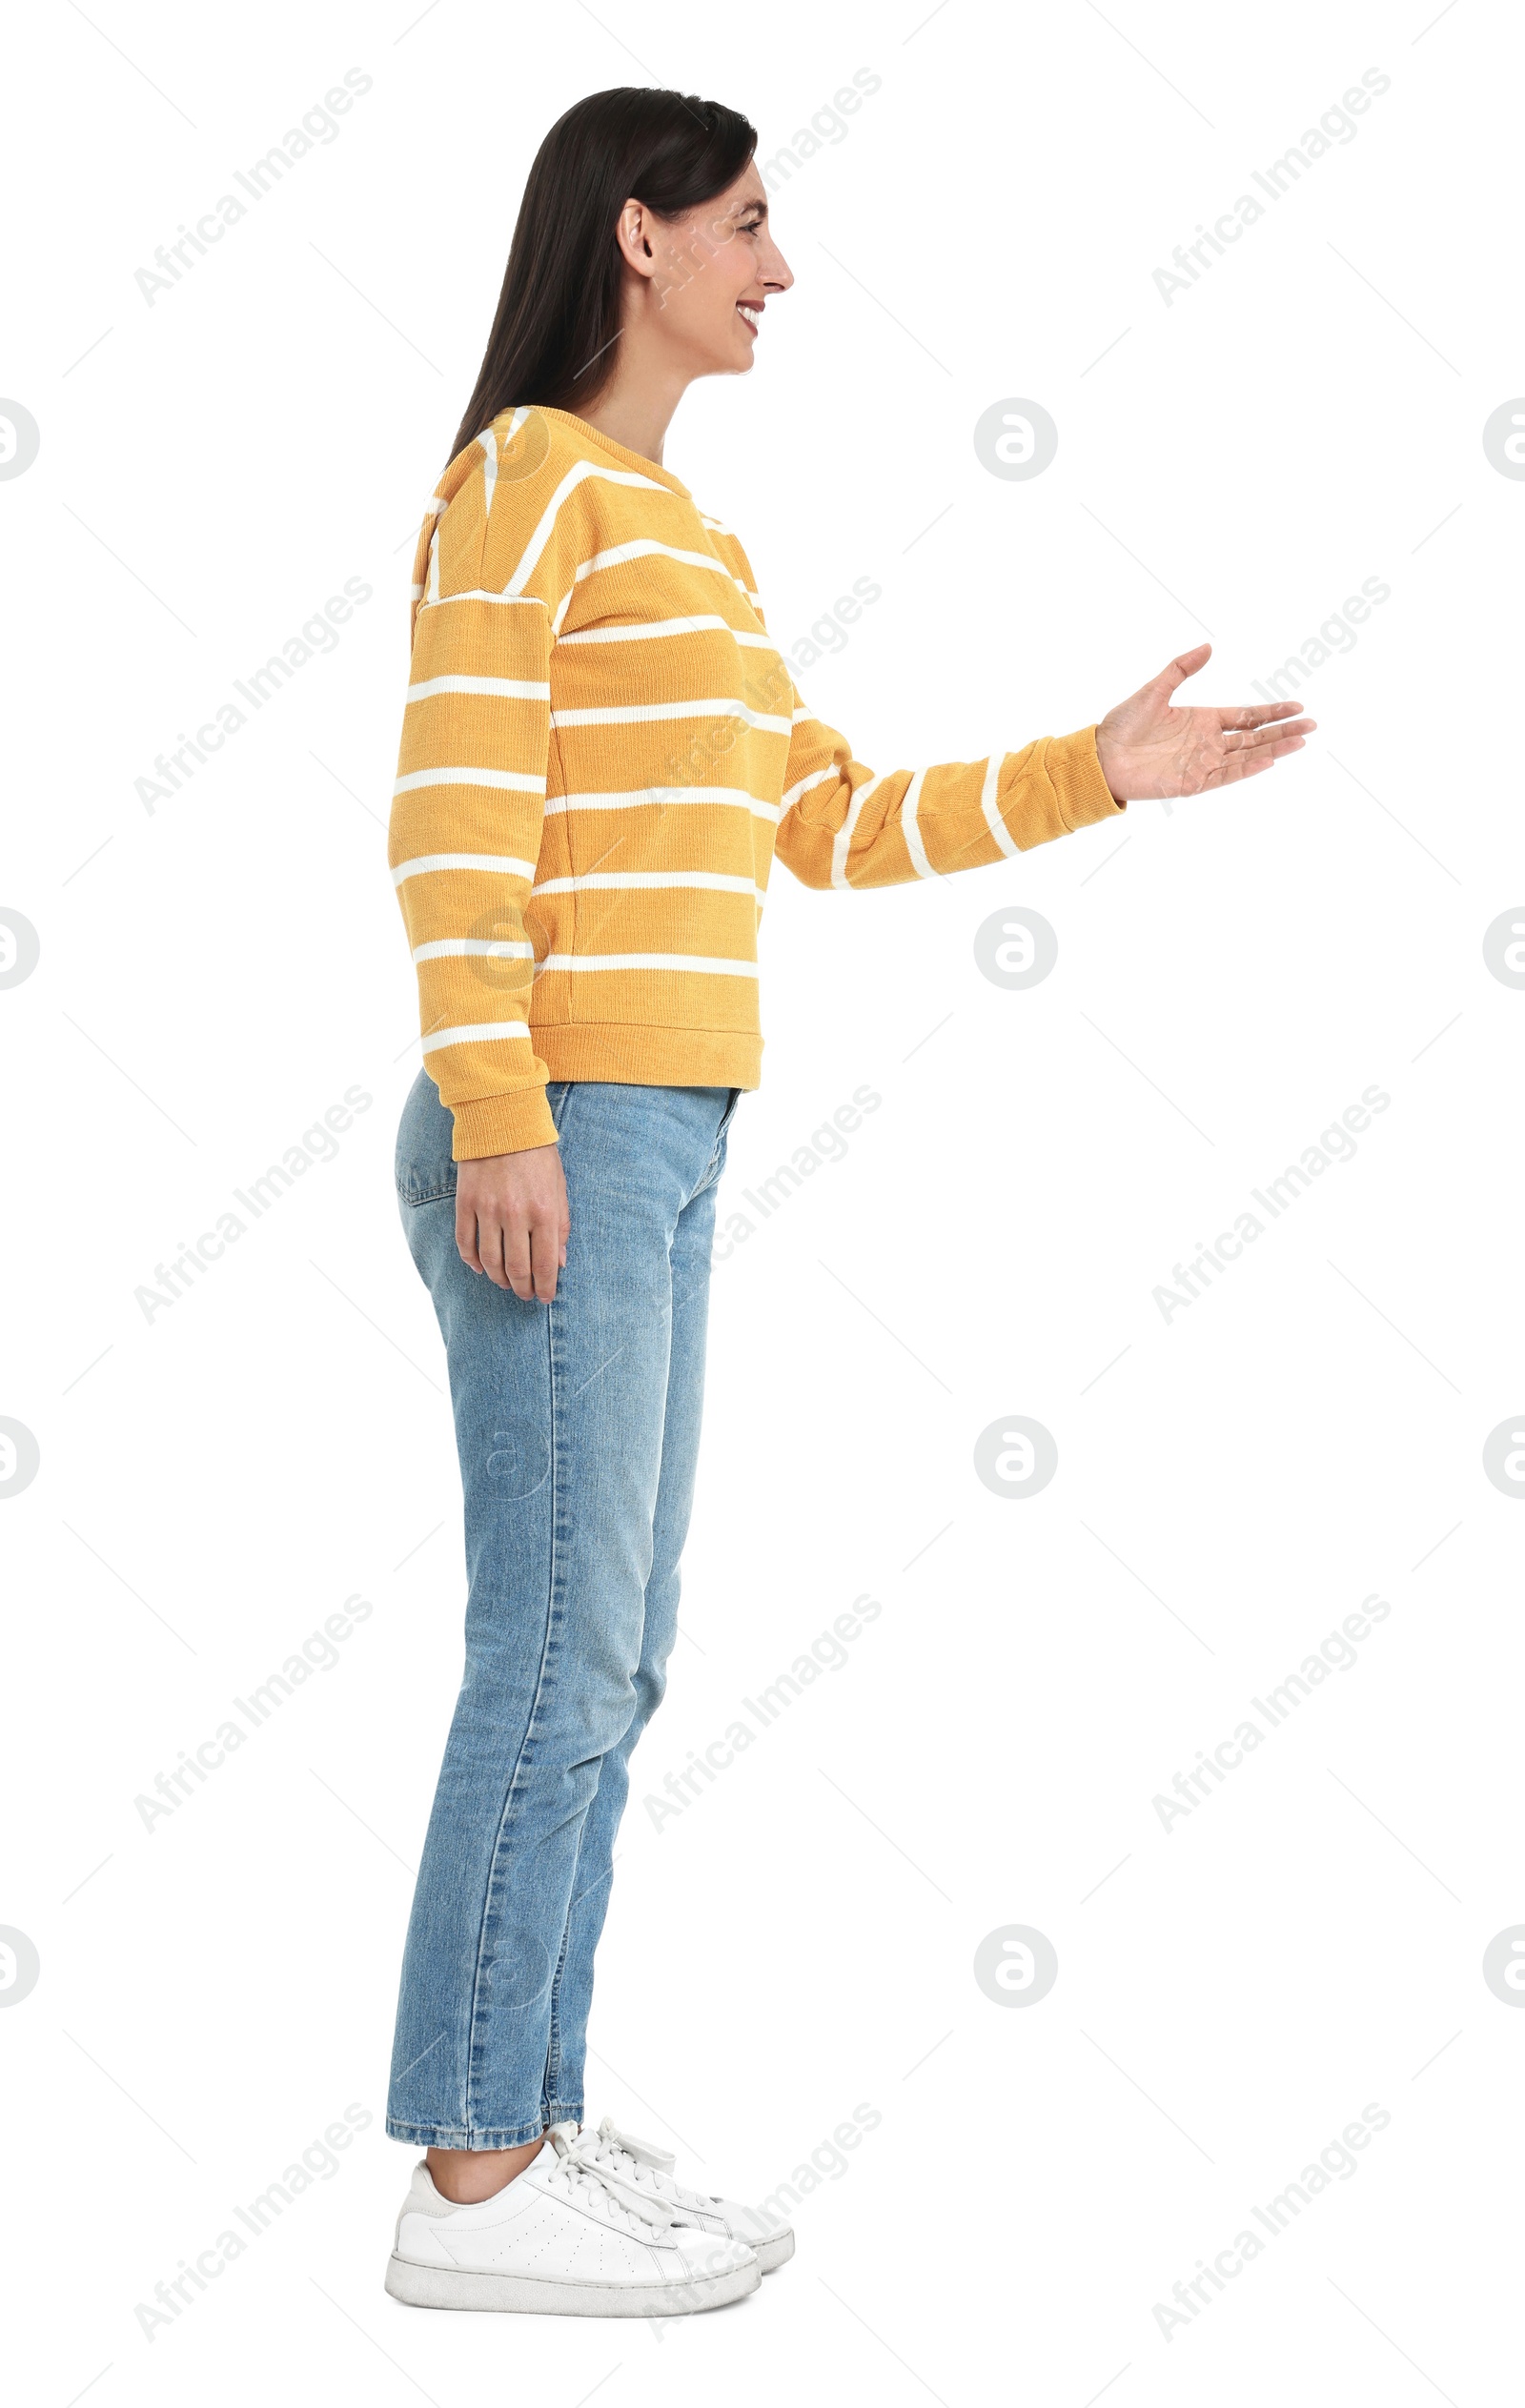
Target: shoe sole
{"points": [[774, 2253], [420, 2286]]}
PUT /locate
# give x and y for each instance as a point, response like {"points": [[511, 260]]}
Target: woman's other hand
{"points": [[1147, 749], [512, 1221]]}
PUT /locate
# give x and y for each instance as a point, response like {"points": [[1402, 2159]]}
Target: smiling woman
{"points": [[603, 752], [568, 297]]}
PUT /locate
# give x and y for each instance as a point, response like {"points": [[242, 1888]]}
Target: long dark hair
{"points": [[558, 313]]}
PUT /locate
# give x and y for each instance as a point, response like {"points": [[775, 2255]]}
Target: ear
{"points": [[631, 232]]}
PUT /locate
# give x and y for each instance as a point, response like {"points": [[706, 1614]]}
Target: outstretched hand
{"points": [[1147, 749]]}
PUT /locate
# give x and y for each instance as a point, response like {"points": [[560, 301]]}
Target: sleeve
{"points": [[843, 825], [467, 813]]}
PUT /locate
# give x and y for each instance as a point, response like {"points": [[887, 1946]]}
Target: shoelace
{"points": [[622, 2157], [644, 2152], [586, 2176]]}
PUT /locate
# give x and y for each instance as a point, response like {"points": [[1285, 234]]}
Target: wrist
{"points": [[509, 1124], [1110, 763]]}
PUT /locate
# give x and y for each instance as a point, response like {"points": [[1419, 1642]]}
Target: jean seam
{"points": [[554, 2065], [510, 1793], [716, 1163], [712, 1172], [553, 2051]]}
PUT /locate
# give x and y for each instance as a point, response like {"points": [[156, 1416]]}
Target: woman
{"points": [[601, 752]]}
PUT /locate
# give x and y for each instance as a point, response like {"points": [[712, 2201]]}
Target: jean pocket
{"points": [[717, 1158], [424, 1167]]}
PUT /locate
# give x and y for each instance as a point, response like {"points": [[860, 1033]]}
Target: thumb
{"points": [[1185, 664]]}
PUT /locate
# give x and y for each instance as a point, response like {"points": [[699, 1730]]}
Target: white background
{"points": [[1233, 973]]}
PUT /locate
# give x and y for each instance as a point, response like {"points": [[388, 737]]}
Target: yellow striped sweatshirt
{"points": [[602, 749]]}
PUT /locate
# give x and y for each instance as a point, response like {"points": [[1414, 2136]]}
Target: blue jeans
{"points": [[577, 1425]]}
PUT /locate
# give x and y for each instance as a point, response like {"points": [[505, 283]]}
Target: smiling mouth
{"points": [[748, 315]]}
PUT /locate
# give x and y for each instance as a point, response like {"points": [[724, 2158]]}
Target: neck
{"points": [[636, 406]]}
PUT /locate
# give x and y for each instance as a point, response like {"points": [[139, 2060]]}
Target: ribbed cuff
{"points": [[502, 1125], [1083, 793]]}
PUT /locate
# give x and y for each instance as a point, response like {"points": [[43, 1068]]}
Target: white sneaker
{"points": [[648, 2171], [564, 2237]]}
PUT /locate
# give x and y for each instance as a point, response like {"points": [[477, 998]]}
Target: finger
{"points": [[1248, 764], [1252, 738], [516, 1270], [466, 1235], [545, 1255], [1257, 713], [491, 1242], [1185, 664]]}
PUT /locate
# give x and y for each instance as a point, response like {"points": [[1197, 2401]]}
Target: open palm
{"points": [[1149, 749]]}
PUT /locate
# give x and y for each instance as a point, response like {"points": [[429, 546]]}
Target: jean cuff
{"points": [[456, 2136]]}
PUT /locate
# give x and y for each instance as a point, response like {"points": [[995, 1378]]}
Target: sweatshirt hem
{"points": [[618, 1053], [628, 1054]]}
